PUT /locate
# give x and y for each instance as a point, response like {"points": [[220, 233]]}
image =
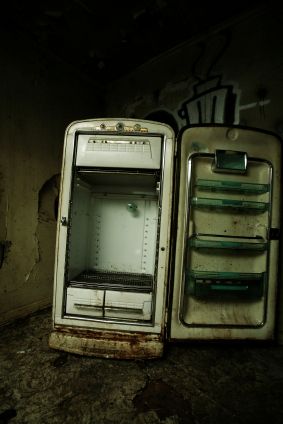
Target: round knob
{"points": [[132, 207], [120, 126]]}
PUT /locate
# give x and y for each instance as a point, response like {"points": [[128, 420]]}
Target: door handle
{"points": [[123, 309], [86, 305]]}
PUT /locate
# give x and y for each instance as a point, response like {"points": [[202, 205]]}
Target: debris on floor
{"points": [[191, 384]]}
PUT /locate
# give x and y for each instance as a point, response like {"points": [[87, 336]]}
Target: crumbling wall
{"points": [[39, 98]]}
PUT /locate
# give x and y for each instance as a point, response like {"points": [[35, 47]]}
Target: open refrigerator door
{"points": [[227, 244]]}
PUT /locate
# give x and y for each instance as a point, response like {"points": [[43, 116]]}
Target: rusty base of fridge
{"points": [[108, 345]]}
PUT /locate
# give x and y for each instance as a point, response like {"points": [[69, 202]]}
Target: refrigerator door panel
{"points": [[225, 274]]}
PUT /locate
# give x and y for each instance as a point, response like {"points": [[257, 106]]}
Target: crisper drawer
{"points": [[108, 304], [128, 305], [82, 301]]}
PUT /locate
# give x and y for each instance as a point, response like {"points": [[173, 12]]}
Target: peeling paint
{"points": [[47, 196], [37, 257]]}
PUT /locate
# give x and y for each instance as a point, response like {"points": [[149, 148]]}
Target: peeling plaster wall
{"points": [[40, 96], [252, 63]]}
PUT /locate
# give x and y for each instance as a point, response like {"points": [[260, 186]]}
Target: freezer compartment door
{"points": [[128, 151], [226, 261]]}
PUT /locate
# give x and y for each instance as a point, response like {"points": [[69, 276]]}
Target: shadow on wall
{"points": [[46, 234], [48, 200]]}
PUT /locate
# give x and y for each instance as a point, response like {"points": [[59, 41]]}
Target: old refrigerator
{"points": [[161, 239]]}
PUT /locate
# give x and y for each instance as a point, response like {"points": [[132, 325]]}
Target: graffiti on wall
{"points": [[211, 102], [211, 99]]}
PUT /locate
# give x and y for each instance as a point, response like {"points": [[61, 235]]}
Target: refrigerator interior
{"points": [[112, 244]]}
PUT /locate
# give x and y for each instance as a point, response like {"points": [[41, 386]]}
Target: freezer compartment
{"points": [[225, 284], [108, 304], [105, 150]]}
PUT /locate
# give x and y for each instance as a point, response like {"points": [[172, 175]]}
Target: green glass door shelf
{"points": [[224, 284], [241, 205], [231, 186], [202, 243]]}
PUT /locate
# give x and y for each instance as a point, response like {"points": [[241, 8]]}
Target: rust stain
{"points": [[132, 337], [107, 344]]}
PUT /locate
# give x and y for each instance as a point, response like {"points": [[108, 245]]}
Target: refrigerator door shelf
{"points": [[231, 186], [225, 284], [229, 243], [241, 205]]}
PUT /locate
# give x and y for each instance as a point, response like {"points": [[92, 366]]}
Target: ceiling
{"points": [[106, 39]]}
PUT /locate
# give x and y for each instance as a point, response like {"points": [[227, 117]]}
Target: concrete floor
{"points": [[192, 384]]}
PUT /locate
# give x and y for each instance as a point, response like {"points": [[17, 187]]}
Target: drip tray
{"points": [[105, 280]]}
